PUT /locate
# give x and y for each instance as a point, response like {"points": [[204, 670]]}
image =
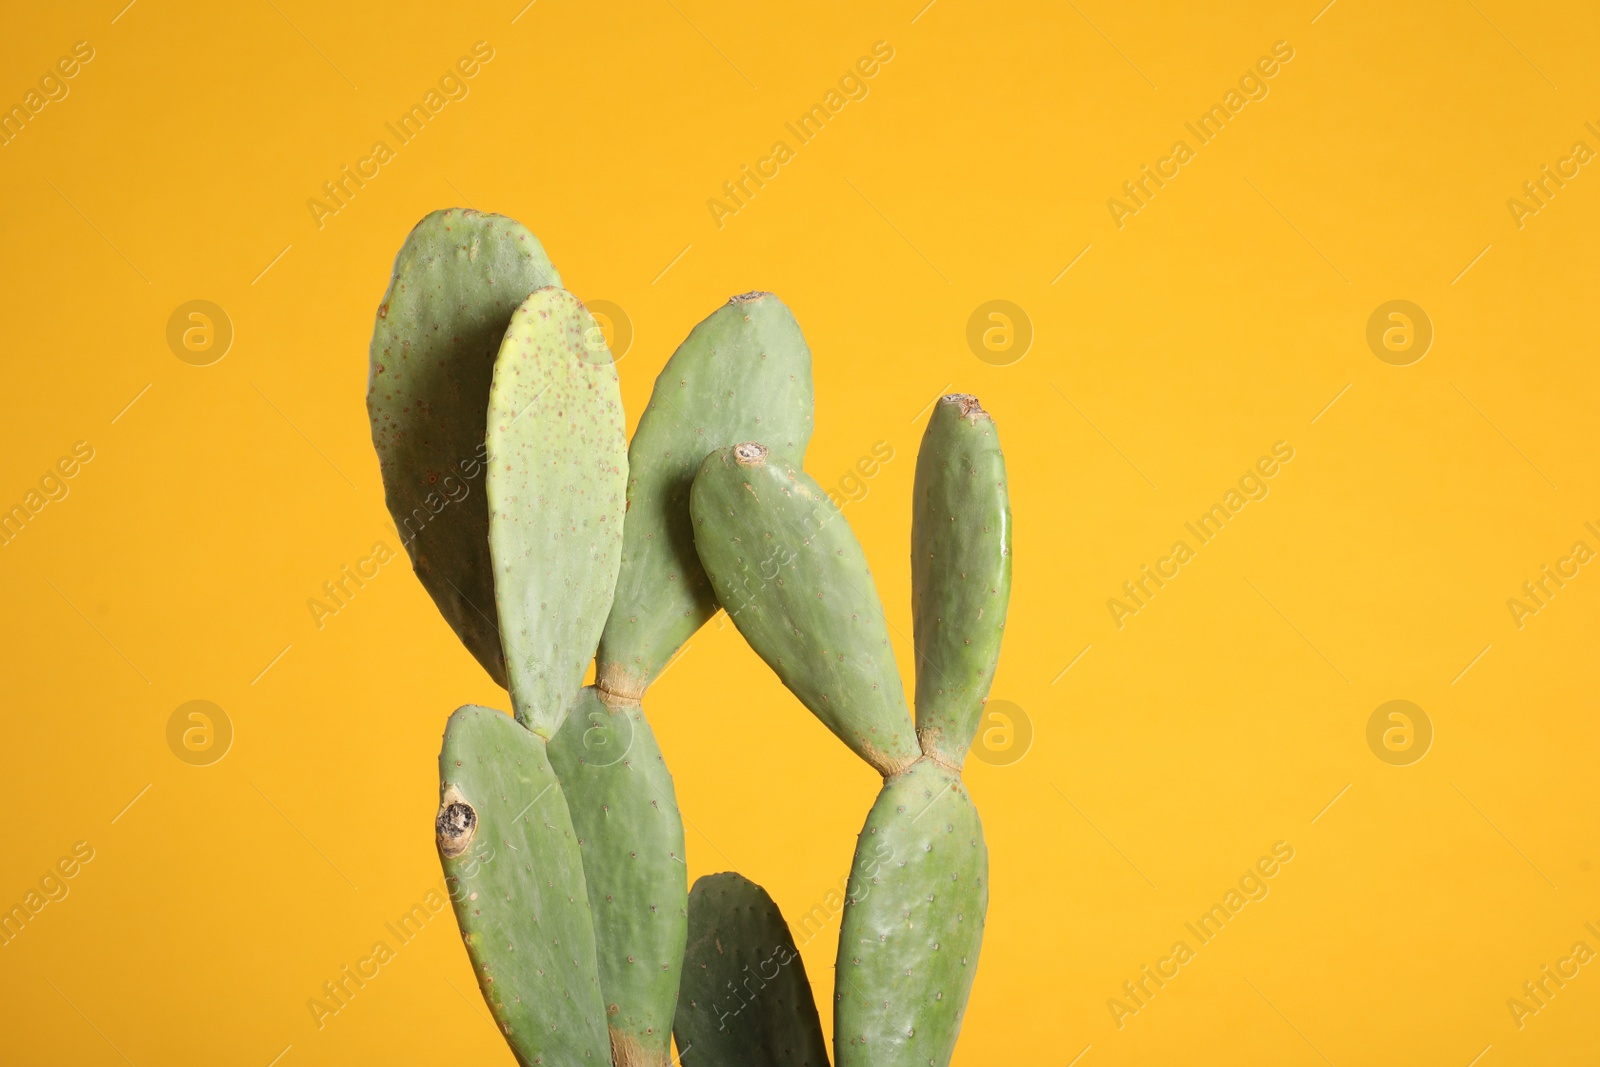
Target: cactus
{"points": [[795, 582], [744, 369], [456, 282], [746, 1001], [558, 828], [515, 878]]}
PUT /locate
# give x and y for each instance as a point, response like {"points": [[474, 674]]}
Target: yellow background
{"points": [[1223, 317]]}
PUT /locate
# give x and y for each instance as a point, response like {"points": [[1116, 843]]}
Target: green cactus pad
{"points": [[789, 571], [743, 372], [960, 572], [630, 836], [512, 867], [558, 469], [456, 282], [746, 1001], [913, 924]]}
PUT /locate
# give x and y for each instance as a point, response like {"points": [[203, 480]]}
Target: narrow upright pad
{"points": [[630, 836], [960, 572], [558, 468]]}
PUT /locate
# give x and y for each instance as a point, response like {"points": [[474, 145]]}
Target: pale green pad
{"points": [[457, 279], [913, 923], [746, 1001], [630, 836], [512, 867], [743, 372], [960, 572], [789, 571], [558, 469]]}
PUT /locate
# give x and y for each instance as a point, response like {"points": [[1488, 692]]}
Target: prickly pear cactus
{"points": [[789, 571], [743, 369], [960, 572], [456, 282], [746, 1001], [512, 866], [744, 372], [558, 468], [909, 939], [497, 418], [630, 837]]}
